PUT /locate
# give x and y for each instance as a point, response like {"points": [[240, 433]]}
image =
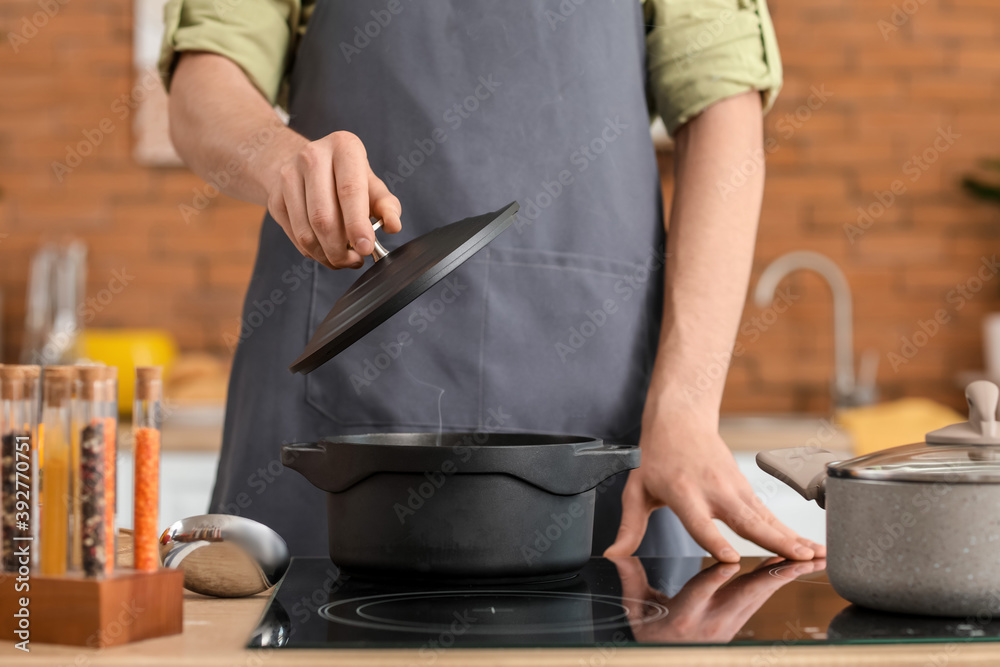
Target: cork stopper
{"points": [[148, 383], [111, 385], [11, 383], [11, 371], [57, 383], [91, 387], [32, 381]]}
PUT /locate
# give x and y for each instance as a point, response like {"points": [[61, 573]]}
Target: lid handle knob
{"points": [[983, 397], [379, 251]]}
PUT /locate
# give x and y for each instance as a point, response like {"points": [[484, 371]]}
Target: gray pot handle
{"points": [[802, 468]]}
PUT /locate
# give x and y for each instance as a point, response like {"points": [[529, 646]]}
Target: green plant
{"points": [[984, 189]]}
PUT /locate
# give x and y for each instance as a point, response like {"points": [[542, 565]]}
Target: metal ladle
{"points": [[223, 555]]}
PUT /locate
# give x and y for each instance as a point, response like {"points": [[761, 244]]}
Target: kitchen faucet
{"points": [[846, 390]]}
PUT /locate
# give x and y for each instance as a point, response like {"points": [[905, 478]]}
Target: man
{"points": [[459, 107]]}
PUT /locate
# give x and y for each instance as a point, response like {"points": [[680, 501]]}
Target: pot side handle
{"points": [[606, 460], [802, 468], [308, 459]]}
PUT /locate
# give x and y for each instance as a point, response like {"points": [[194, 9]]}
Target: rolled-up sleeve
{"points": [[255, 34], [703, 51]]}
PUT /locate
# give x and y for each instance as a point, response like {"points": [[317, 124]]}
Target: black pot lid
{"points": [[398, 278]]}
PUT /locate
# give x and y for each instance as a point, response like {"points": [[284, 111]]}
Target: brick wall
{"points": [[911, 91], [74, 74], [867, 89]]}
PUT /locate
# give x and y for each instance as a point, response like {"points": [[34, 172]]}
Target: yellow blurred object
{"points": [[126, 349], [901, 422]]}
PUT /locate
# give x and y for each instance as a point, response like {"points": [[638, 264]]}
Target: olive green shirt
{"points": [[699, 51]]}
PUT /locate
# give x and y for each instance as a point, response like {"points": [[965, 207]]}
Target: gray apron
{"points": [[465, 106]]}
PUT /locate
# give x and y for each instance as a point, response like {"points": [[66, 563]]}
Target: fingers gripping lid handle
{"points": [[379, 252]]}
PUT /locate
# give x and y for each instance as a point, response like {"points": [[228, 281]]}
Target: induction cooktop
{"points": [[649, 601]]}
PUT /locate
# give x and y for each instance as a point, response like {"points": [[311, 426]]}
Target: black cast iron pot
{"points": [[462, 506]]}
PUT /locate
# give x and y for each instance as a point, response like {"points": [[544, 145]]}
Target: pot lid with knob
{"points": [[397, 278], [964, 453]]}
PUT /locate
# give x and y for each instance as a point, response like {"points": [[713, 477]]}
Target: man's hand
{"points": [[685, 464], [690, 470], [323, 194], [712, 606]]}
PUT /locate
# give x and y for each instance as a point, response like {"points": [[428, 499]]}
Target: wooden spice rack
{"points": [[124, 607]]}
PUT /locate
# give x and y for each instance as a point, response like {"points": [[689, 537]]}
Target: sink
{"points": [[754, 432]]}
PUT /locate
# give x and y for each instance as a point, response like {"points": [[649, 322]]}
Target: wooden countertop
{"points": [[215, 631], [757, 432]]}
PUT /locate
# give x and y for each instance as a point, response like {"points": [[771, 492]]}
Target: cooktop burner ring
{"points": [[778, 572], [357, 612]]}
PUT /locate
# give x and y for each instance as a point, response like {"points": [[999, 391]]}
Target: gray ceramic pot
{"points": [[912, 529]]}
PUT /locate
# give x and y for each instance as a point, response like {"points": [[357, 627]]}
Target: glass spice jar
{"points": [[33, 395], [90, 522], [146, 416], [16, 490], [110, 464], [55, 471]]}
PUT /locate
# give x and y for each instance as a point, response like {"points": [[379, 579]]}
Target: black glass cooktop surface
{"points": [[657, 601]]}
